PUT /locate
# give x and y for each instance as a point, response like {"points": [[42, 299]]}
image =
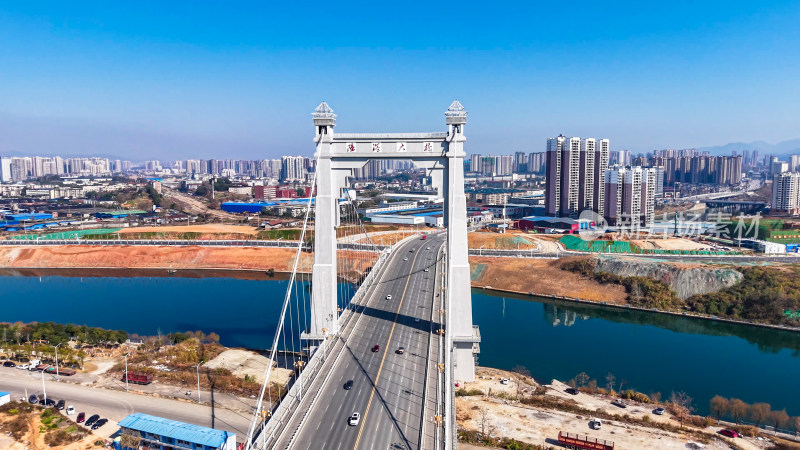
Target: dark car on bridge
{"points": [[348, 385], [376, 348]]}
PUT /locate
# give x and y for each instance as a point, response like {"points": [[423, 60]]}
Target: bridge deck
{"points": [[389, 388]]}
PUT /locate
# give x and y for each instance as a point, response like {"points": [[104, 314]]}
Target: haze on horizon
{"points": [[201, 80]]}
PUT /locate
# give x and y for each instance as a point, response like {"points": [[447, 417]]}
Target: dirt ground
{"points": [[536, 425], [34, 439], [670, 244], [243, 362], [214, 228], [541, 277], [500, 241], [131, 257]]}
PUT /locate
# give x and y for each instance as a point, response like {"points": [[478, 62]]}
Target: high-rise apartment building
{"points": [[292, 168], [5, 169], [575, 169], [786, 192], [630, 196]]}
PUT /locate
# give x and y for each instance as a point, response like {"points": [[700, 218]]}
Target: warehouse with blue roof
{"points": [[142, 430]]}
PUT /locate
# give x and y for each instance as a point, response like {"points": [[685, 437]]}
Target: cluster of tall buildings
{"points": [[580, 178], [519, 162], [17, 169], [697, 169], [377, 167], [287, 168]]}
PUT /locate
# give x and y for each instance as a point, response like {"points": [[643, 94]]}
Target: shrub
{"points": [[468, 393]]}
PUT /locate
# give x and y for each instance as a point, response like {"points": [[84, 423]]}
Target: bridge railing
{"points": [[283, 413]]}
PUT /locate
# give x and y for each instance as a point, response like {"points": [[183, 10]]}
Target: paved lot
{"points": [[115, 405]]}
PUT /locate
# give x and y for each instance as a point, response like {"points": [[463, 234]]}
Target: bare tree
{"points": [[582, 378], [682, 403], [795, 424], [778, 419], [622, 383], [483, 420], [719, 405], [523, 372], [130, 438], [610, 382], [737, 409], [759, 412]]}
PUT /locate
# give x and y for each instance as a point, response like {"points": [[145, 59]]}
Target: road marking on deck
{"points": [[385, 352]]}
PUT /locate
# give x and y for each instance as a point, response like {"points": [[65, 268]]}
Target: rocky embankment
{"points": [[685, 279]]}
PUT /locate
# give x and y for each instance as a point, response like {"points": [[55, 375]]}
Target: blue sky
{"points": [[176, 80]]}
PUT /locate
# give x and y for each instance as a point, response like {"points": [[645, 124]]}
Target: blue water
{"points": [[244, 313], [652, 352]]}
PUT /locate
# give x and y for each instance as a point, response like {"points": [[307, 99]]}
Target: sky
{"points": [[174, 80]]}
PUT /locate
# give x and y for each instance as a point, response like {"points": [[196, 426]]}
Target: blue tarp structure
{"points": [[177, 430]]}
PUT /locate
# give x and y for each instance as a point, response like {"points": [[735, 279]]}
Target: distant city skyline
{"points": [[177, 81]]}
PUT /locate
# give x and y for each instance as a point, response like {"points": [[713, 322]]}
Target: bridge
{"points": [[393, 352]]}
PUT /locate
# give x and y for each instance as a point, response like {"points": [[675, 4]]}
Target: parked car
{"points": [[348, 385], [400, 350], [33, 399], [375, 348], [571, 390], [504, 380], [595, 424], [70, 410], [728, 432], [22, 367], [60, 405], [659, 411], [81, 417], [354, 419], [91, 420], [99, 423], [9, 364], [47, 402], [620, 403]]}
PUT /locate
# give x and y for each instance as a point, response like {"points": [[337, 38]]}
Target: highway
{"points": [[388, 389], [115, 405]]}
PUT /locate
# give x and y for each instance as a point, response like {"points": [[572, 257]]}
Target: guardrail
{"points": [[286, 409], [183, 243]]}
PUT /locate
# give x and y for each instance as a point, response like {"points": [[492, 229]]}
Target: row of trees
{"points": [[56, 333], [758, 413]]}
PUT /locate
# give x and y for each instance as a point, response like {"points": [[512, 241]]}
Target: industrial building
{"points": [[145, 431], [5, 397], [550, 225]]}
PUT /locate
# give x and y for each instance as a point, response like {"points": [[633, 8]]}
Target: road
{"points": [[115, 405], [389, 387]]}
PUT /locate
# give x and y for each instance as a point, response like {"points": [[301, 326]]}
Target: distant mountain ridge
{"points": [[764, 148]]}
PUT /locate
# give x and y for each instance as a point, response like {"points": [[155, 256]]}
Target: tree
{"points": [[212, 338], [610, 380], [778, 419], [794, 422], [737, 409], [682, 403], [759, 412], [523, 372], [483, 421], [582, 378], [719, 406]]}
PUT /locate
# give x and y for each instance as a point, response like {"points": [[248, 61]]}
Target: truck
{"points": [[137, 377], [61, 371], [33, 363], [583, 442]]}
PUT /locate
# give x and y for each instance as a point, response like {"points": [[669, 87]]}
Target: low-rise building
{"points": [[145, 431]]}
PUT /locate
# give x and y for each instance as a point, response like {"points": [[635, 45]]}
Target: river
{"points": [[650, 351]]}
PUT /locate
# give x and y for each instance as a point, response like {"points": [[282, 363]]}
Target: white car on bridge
{"points": [[354, 419]]}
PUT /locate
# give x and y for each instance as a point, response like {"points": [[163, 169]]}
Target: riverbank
{"points": [[531, 413]]}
